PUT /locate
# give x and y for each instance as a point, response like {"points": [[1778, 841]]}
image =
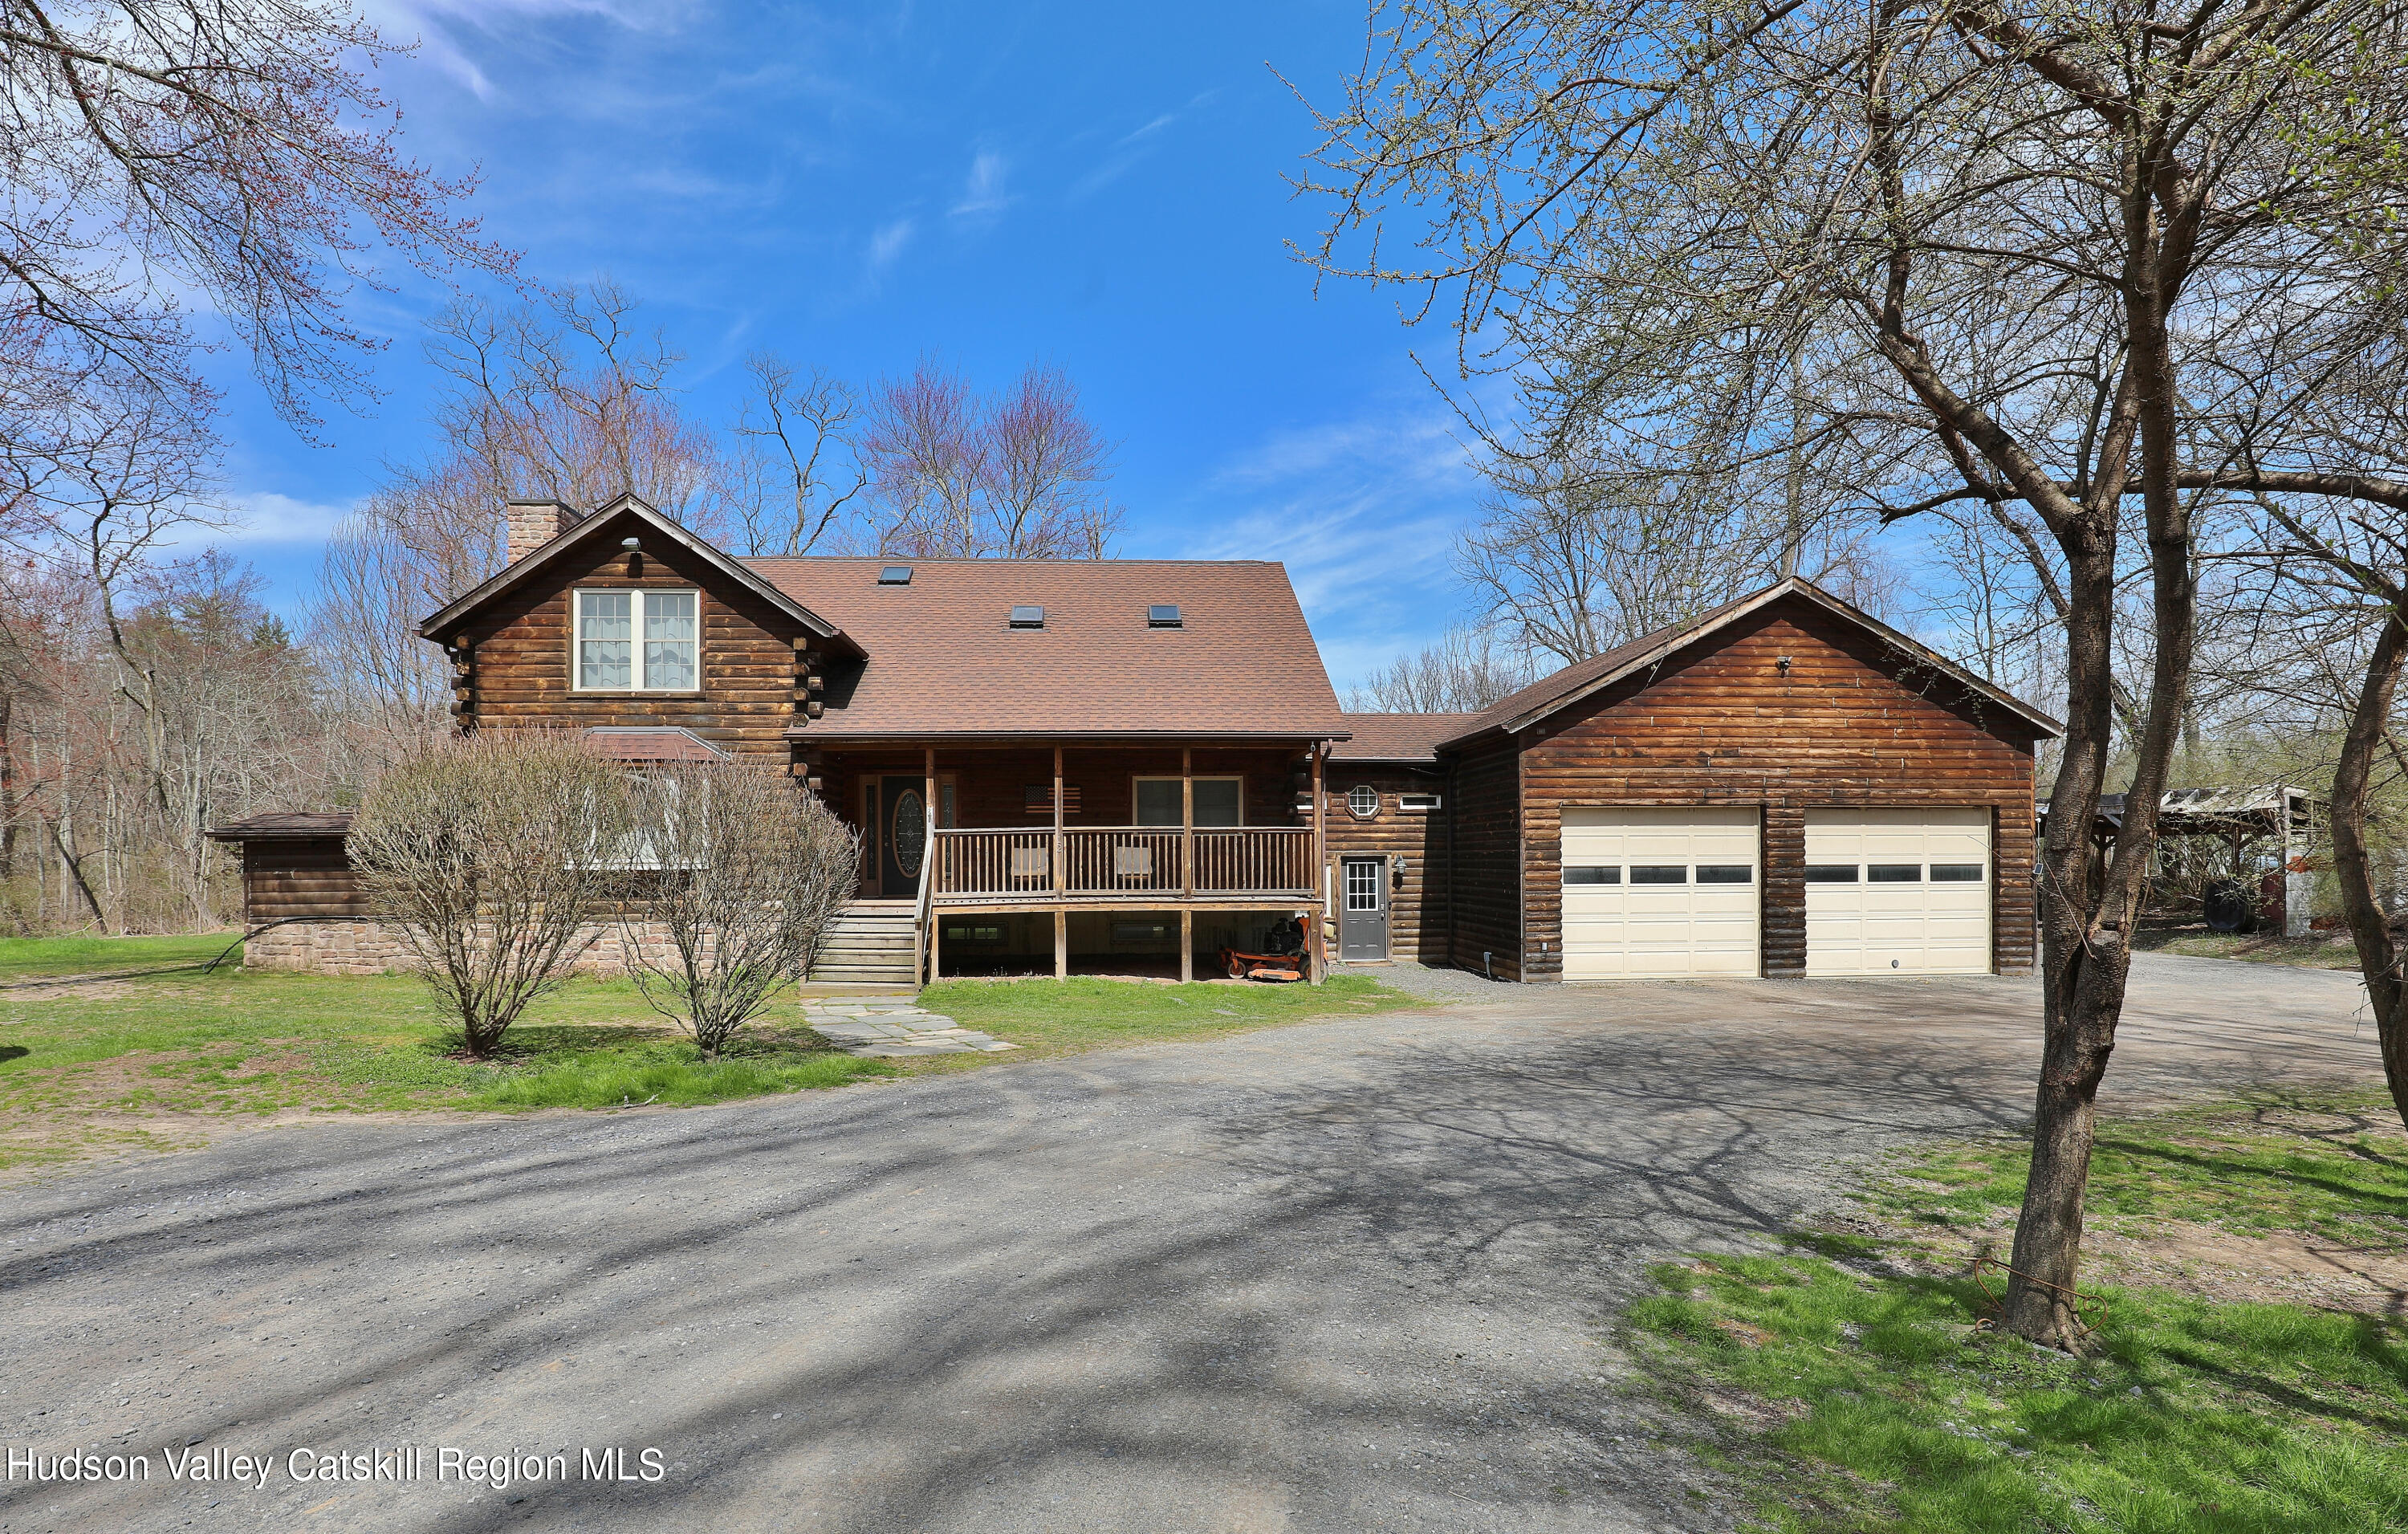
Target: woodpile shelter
{"points": [[1130, 765]]}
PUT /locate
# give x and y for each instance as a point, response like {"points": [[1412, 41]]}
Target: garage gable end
{"points": [[1757, 726]]}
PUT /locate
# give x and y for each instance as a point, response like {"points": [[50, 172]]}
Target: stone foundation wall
{"points": [[366, 948]]}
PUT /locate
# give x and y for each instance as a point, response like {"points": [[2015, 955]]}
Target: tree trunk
{"points": [[2083, 979], [2378, 959]]}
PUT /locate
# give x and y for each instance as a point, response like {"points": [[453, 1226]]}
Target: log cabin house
{"points": [[1127, 766]]}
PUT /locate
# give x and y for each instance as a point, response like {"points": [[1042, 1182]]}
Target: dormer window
{"points": [[895, 575], [637, 641], [1028, 617], [1163, 615]]}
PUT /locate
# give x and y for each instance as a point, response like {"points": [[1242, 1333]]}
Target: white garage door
{"points": [[1898, 891], [1658, 894]]}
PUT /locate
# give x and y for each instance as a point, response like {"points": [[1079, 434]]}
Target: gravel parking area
{"points": [[1437, 984], [1342, 1276]]}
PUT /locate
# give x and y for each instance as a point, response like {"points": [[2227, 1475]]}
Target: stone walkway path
{"points": [[893, 1027]]}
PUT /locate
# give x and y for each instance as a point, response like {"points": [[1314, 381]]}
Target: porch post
{"points": [[1319, 949], [1061, 916], [1187, 824], [929, 853], [1186, 945]]}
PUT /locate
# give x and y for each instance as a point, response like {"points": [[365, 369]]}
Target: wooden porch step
{"points": [[871, 943]]}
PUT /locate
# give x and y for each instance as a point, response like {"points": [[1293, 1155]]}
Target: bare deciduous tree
{"points": [[568, 400], [1466, 671], [488, 858], [806, 476], [751, 871], [1019, 476], [161, 149], [1988, 254]]}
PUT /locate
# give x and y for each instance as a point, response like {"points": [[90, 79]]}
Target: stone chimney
{"points": [[535, 523]]}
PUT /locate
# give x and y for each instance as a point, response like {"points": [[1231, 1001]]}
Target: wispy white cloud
{"points": [[1130, 149], [267, 517], [436, 26], [888, 242], [1364, 514], [984, 194]]}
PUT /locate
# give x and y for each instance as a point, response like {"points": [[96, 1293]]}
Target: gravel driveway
{"points": [[1343, 1276]]}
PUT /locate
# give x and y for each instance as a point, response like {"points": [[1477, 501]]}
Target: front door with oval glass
{"points": [[1363, 907], [902, 836]]}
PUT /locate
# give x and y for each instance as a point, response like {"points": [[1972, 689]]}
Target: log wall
{"points": [[297, 875], [521, 669], [1485, 802], [1416, 903]]}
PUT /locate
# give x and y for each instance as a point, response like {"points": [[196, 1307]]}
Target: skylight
{"points": [[1028, 617], [1163, 615], [895, 575]]}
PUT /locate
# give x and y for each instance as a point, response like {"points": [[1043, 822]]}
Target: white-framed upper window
{"points": [[631, 640], [1219, 801], [1362, 801]]}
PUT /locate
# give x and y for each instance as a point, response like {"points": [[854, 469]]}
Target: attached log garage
{"points": [[1784, 786]]}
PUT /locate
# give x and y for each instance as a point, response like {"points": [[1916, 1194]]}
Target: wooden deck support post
{"points": [[1186, 864], [1319, 948], [1061, 914]]}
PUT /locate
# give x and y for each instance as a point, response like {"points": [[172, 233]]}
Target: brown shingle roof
{"points": [[283, 824], [1398, 737], [942, 659]]}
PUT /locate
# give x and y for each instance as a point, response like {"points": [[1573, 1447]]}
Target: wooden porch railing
{"points": [[1123, 863]]}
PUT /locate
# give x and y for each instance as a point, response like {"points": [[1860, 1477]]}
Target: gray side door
{"points": [[1363, 907]]}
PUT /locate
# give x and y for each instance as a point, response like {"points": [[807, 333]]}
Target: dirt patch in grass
{"points": [[2286, 1267], [2317, 951]]}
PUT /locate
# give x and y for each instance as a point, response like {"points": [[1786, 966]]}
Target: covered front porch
{"points": [[1084, 856]]}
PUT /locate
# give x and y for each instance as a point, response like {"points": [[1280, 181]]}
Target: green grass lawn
{"points": [[1866, 1400], [1058, 1016], [133, 1062], [25, 957]]}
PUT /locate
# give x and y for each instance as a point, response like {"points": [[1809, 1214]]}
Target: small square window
{"points": [[1163, 615], [1659, 873], [1830, 873], [895, 575], [1592, 874], [1957, 873], [1028, 617], [1726, 873], [1894, 873]]}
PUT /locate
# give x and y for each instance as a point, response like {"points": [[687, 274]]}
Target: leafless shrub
{"points": [[485, 857], [751, 869]]}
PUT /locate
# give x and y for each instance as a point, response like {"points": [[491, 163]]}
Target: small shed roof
{"points": [[283, 824]]}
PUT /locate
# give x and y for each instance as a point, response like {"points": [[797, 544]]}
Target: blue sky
{"points": [[1099, 186]]}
